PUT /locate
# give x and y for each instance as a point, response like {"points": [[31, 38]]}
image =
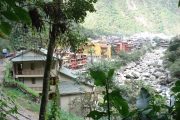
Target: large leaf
{"points": [[177, 83], [119, 103], [96, 114], [10, 15], [143, 99], [99, 77], [110, 74], [5, 28], [23, 15], [176, 88]]}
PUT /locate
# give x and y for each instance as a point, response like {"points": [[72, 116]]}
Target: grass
{"points": [[69, 116], [25, 101], [21, 99]]}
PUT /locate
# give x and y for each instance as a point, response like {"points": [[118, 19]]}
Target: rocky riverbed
{"points": [[150, 70]]}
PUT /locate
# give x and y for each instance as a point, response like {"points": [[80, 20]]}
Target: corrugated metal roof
{"points": [[29, 58], [31, 55], [70, 87], [68, 72]]}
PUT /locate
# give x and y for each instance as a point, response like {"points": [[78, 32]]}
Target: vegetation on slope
{"points": [[173, 57], [118, 17]]}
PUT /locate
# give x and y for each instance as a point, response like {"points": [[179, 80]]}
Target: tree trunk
{"points": [[46, 78]]}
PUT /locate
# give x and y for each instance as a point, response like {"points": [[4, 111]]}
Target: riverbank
{"points": [[150, 70]]}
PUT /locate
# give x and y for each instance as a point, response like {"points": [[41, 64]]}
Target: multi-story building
{"points": [[98, 49], [122, 46], [28, 68]]}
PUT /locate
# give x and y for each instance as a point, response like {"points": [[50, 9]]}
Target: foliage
{"points": [[176, 108], [130, 17], [5, 108], [113, 101], [173, 57], [149, 106], [55, 113], [11, 11]]}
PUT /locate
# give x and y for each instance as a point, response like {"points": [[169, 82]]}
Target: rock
{"points": [[146, 74], [157, 74], [128, 76], [152, 78], [135, 75], [163, 77], [162, 82]]}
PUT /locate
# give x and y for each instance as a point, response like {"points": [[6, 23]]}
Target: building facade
{"points": [[28, 68], [98, 49], [75, 96]]}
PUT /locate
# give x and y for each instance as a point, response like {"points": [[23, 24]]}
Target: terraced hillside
{"points": [[132, 16]]}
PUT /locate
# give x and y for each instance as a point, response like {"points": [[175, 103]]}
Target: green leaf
{"points": [[146, 111], [177, 83], [22, 14], [96, 114], [10, 15], [143, 99], [119, 103], [5, 27], [110, 74], [99, 77], [176, 89]]}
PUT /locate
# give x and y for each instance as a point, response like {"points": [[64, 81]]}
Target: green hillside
{"points": [[132, 16]]}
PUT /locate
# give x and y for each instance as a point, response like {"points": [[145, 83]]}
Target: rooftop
{"points": [[70, 87]]}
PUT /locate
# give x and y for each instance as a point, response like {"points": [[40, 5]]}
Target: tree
{"points": [[60, 14], [12, 11]]}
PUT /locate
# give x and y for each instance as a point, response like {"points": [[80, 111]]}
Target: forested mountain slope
{"points": [[132, 16]]}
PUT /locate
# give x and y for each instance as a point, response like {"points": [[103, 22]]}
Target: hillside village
{"points": [[89, 60], [28, 68]]}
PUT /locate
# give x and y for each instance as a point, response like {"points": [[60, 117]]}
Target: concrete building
{"points": [[73, 93], [28, 68], [97, 48], [122, 46]]}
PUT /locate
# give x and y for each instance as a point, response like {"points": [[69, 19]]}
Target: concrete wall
{"points": [[66, 100], [29, 82]]}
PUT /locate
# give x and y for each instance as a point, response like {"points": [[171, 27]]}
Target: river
{"points": [[148, 69]]}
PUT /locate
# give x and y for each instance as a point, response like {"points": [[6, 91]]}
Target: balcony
{"points": [[30, 73]]}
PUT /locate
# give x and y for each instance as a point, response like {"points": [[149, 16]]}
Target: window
{"points": [[33, 80], [32, 66]]}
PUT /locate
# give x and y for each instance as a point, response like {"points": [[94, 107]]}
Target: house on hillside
{"points": [[75, 97], [28, 68], [122, 46]]}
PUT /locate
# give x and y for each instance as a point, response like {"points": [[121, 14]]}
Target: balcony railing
{"points": [[31, 72]]}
